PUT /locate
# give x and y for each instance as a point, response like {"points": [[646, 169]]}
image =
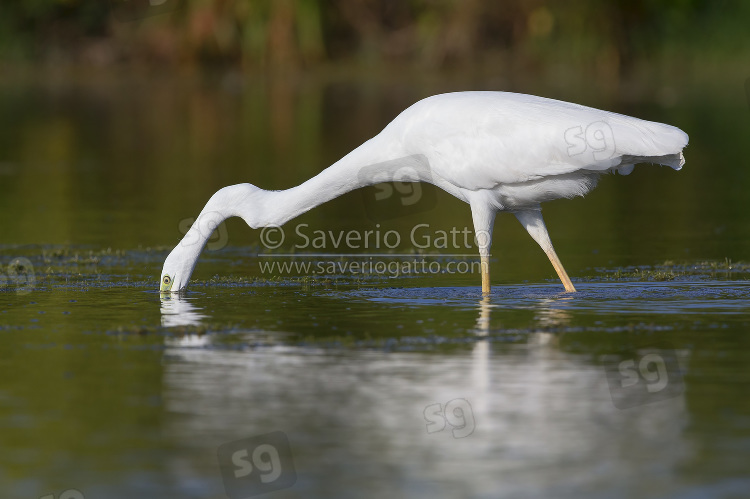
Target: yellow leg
{"points": [[534, 223], [484, 218], [485, 264], [557, 264]]}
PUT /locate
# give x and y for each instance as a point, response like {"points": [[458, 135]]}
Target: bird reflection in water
{"points": [[551, 312], [178, 311], [482, 328], [480, 366]]}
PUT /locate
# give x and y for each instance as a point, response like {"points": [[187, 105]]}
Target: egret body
{"points": [[496, 151]]}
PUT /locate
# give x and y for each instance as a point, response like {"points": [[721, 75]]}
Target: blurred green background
{"points": [[610, 37]]}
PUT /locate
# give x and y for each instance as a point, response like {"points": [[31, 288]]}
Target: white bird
{"points": [[496, 151]]}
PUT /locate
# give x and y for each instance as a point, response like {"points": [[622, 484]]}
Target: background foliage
{"points": [[306, 33]]}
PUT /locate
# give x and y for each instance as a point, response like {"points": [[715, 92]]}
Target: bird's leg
{"points": [[485, 264], [484, 218], [534, 223], [557, 264]]}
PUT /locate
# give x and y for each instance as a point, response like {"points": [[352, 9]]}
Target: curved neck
{"points": [[377, 160], [360, 168], [197, 236]]}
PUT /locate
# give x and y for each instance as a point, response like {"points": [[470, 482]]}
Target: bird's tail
{"points": [[672, 160], [641, 141]]}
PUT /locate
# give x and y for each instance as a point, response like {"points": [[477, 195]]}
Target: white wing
{"points": [[478, 140]]}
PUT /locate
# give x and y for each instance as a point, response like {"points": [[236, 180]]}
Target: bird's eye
{"points": [[166, 279]]}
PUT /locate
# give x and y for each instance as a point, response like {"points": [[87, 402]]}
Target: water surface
{"points": [[400, 385]]}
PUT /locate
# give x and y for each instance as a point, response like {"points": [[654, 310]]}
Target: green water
{"points": [[384, 384]]}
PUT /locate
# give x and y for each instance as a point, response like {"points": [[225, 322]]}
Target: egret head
{"points": [[243, 200], [178, 267]]}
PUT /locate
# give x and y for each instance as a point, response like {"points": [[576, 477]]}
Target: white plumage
{"points": [[496, 151]]}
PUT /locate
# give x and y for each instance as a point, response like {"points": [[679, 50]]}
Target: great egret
{"points": [[497, 151]]}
